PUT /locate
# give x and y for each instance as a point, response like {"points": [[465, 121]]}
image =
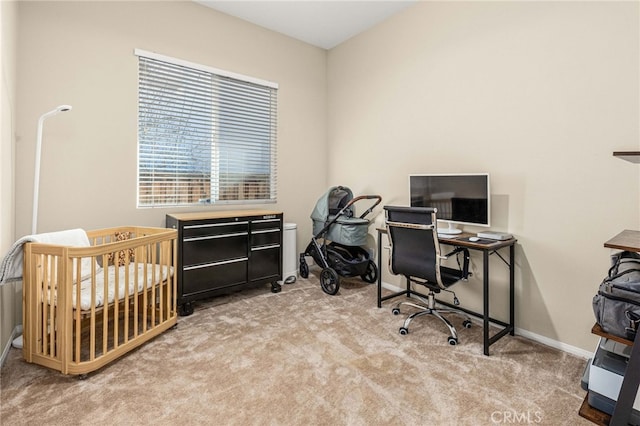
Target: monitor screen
{"points": [[459, 198]]}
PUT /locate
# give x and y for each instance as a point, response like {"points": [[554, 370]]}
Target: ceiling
{"points": [[321, 23]]}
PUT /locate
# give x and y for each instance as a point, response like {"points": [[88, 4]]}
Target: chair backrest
{"points": [[415, 250]]}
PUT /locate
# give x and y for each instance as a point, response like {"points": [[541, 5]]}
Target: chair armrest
{"points": [[388, 248]]}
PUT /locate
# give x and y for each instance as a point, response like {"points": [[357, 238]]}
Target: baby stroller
{"points": [[340, 253]]}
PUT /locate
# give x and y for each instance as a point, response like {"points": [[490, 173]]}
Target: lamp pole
{"points": [[36, 179]]}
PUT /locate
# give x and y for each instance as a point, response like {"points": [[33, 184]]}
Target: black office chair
{"points": [[415, 253]]}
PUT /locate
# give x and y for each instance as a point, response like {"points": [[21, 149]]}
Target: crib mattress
{"points": [[155, 274]]}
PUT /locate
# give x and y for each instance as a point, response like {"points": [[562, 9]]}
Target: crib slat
{"points": [[77, 320], [46, 286], [92, 320], [77, 316], [105, 312], [145, 303], [50, 330], [160, 305], [127, 282], [136, 295], [53, 289], [153, 287], [116, 311], [169, 281]]}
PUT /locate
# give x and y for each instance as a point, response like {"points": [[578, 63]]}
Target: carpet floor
{"points": [[301, 357]]}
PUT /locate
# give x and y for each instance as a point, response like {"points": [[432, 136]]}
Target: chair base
{"points": [[430, 309]]}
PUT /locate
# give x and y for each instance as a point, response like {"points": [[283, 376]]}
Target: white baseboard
{"points": [[5, 351], [573, 350]]}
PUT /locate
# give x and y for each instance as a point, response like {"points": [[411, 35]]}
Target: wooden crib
{"points": [[84, 307]]}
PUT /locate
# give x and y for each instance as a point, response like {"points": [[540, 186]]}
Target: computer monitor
{"points": [[460, 198]]}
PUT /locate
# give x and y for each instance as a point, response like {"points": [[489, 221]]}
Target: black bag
{"points": [[617, 304]]}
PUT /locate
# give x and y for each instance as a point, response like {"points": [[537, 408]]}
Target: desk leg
{"points": [[379, 269], [485, 284], [512, 267]]}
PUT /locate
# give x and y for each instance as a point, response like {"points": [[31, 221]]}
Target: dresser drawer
{"points": [[212, 229], [214, 248], [265, 262], [262, 237], [259, 224], [213, 276]]}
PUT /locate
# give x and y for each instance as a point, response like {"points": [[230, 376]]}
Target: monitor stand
{"points": [[451, 230]]}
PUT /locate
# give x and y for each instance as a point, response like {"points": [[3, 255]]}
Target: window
{"points": [[205, 136]]}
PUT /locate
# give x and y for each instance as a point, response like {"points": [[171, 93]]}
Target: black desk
{"points": [[487, 247]]}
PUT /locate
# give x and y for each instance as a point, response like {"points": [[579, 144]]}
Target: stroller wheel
{"points": [[304, 268], [329, 281], [371, 275]]}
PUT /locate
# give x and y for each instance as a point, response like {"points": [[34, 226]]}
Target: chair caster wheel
{"points": [[466, 323], [395, 311], [404, 331], [453, 341]]}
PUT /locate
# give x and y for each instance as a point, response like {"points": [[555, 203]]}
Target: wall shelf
{"points": [[633, 156]]}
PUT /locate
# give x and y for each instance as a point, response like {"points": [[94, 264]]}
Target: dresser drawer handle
{"points": [[265, 231], [211, 237], [223, 262], [272, 246], [211, 225], [265, 220]]}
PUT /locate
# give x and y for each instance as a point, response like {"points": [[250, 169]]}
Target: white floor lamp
{"points": [[36, 179], [17, 342]]}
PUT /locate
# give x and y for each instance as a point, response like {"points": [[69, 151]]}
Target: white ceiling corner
{"points": [[321, 23]]}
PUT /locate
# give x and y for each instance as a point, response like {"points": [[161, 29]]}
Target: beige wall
{"points": [[538, 94], [84, 57], [10, 300]]}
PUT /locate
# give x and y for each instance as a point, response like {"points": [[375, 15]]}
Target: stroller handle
{"points": [[365, 197]]}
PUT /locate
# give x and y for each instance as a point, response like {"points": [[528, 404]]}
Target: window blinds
{"points": [[204, 135]]}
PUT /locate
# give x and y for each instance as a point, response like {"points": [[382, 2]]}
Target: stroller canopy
{"points": [[345, 229], [331, 202]]}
